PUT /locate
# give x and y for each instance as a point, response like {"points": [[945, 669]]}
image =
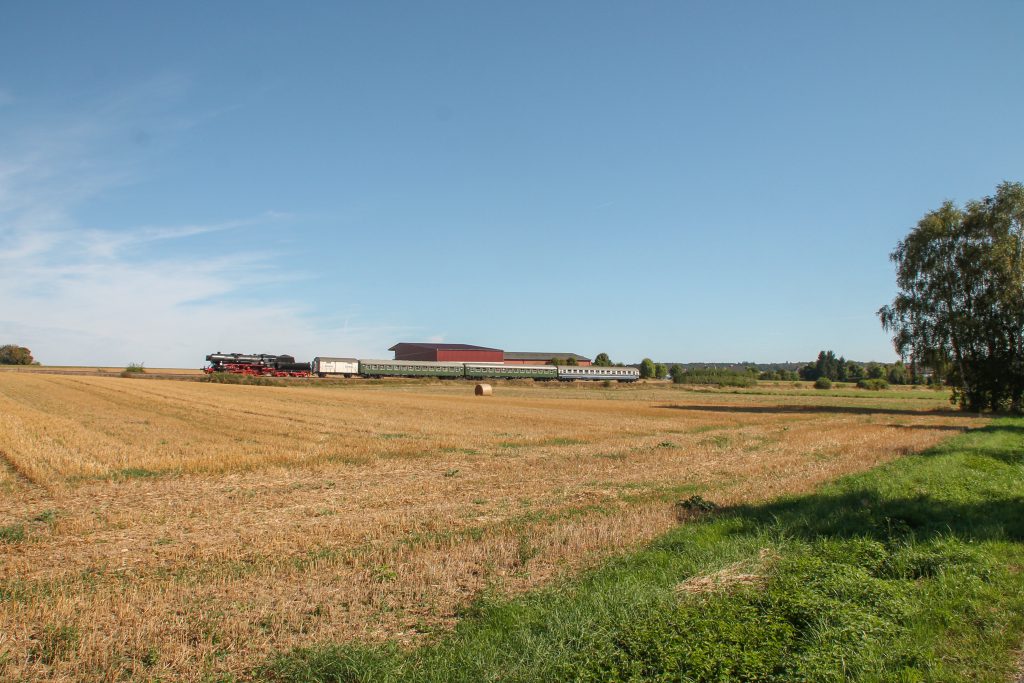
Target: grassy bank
{"points": [[910, 572]]}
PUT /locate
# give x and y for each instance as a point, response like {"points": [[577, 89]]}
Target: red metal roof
{"points": [[536, 355], [444, 347]]}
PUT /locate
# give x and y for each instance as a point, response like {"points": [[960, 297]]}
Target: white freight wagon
{"points": [[323, 366]]}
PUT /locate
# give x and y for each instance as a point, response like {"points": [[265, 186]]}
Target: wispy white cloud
{"points": [[94, 295], [109, 244]]}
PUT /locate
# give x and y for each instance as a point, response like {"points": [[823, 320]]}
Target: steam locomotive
{"points": [[256, 365]]}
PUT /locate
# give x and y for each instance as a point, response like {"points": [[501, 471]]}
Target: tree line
{"points": [[842, 370]]}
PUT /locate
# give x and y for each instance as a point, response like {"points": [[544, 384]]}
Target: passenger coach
{"points": [[567, 373], [491, 371], [410, 368]]}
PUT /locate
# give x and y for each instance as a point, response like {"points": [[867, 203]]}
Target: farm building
{"points": [[468, 353], [465, 353], [535, 358]]}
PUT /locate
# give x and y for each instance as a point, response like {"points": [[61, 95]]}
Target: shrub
{"points": [[135, 367], [232, 378], [823, 383], [713, 376], [779, 375], [693, 508], [873, 384], [696, 504], [676, 372], [12, 354], [875, 371]]}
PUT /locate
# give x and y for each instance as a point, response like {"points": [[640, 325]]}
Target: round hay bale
{"points": [[483, 390]]}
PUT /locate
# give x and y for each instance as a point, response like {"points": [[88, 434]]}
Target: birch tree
{"points": [[960, 303]]}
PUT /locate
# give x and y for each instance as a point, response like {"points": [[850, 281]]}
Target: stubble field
{"points": [[178, 530]]}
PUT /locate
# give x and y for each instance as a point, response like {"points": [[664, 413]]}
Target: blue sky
{"points": [[715, 181]]}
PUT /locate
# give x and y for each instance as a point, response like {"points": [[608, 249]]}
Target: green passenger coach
{"points": [[491, 371], [409, 368]]}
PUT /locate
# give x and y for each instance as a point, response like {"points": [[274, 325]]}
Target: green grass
{"points": [[135, 473], [561, 441], [46, 516], [53, 644], [555, 441], [910, 572], [12, 533]]}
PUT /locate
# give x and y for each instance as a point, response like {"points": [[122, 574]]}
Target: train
{"points": [[269, 365]]}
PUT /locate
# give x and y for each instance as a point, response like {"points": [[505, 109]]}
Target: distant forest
{"points": [[743, 366], [827, 368]]}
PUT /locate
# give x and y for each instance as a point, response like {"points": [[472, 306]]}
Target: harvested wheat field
{"points": [[178, 530]]}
